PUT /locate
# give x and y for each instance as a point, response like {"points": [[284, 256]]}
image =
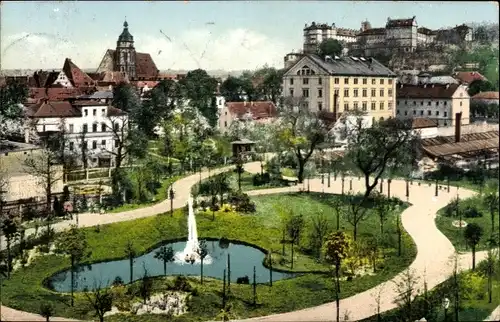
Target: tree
{"points": [[84, 149], [355, 212], [239, 169], [320, 228], [145, 287], [124, 97], [101, 300], [73, 243], [272, 81], [231, 89], [330, 47], [490, 272], [383, 210], [130, 253], [301, 131], [166, 255], [375, 150], [336, 249], [202, 251], [481, 35], [199, 89], [472, 234], [10, 231], [491, 201], [295, 226], [338, 206], [128, 140], [12, 95], [479, 86], [46, 310], [42, 164], [406, 288]]}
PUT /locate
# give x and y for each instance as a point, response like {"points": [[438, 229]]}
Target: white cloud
{"points": [[231, 50]]}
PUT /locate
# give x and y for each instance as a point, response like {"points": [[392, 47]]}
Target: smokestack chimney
{"points": [[458, 126], [335, 98]]}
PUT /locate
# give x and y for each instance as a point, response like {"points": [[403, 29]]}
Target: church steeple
{"points": [[125, 53]]}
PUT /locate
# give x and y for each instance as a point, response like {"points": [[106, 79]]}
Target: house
{"points": [[467, 78], [486, 98], [437, 102], [125, 59], [16, 181], [342, 84], [263, 111], [90, 124]]}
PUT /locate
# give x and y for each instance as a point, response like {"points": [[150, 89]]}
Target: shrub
{"points": [[451, 209], [195, 292], [118, 281], [243, 280], [226, 208], [181, 283], [472, 212], [261, 179], [241, 202]]}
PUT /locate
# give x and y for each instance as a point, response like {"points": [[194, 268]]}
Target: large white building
{"points": [[316, 33], [93, 126]]}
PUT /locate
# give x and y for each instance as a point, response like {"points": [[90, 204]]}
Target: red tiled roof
{"points": [[53, 109], [54, 93], [486, 96], [259, 110], [76, 75], [395, 23], [113, 111], [469, 77], [141, 84], [145, 66], [420, 123], [373, 31], [419, 91]]}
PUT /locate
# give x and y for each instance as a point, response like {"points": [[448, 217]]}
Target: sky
{"points": [[227, 35]]}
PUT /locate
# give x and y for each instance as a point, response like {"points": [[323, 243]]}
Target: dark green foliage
{"points": [[479, 86], [472, 212], [241, 201], [330, 47], [11, 94], [181, 283], [261, 179], [118, 281], [145, 287], [46, 310]]}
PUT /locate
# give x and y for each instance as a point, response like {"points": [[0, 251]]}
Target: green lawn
{"points": [[25, 291], [456, 234]]}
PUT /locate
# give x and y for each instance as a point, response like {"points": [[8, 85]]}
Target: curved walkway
{"points": [[435, 251]]}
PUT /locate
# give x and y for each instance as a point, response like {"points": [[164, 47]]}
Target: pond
{"points": [[243, 259]]}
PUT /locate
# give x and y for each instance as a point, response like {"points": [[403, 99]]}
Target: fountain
{"points": [[190, 252]]}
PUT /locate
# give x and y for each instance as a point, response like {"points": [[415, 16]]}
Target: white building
{"points": [[438, 102], [94, 125], [230, 112], [316, 33]]}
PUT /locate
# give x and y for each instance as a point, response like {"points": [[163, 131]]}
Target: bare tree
{"points": [[43, 164], [101, 301], [84, 149], [406, 288], [355, 212], [319, 229]]}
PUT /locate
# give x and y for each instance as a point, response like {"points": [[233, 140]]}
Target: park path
{"points": [[495, 315], [434, 255]]}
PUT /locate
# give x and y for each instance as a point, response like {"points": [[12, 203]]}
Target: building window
{"points": [[103, 112], [363, 106], [365, 81], [71, 146], [390, 81], [374, 92], [445, 124], [85, 128], [320, 81], [291, 91], [374, 106], [406, 113], [86, 112], [460, 103], [94, 112], [389, 92], [364, 92], [381, 81], [355, 92], [346, 80], [71, 128], [346, 92], [397, 111], [291, 81], [225, 123], [414, 103], [429, 103], [320, 106], [355, 105], [94, 145], [306, 104], [421, 113], [336, 92], [355, 81], [374, 81], [336, 80], [437, 113], [445, 114], [103, 127], [437, 103], [320, 92], [116, 127], [94, 127], [117, 143], [389, 106], [422, 103], [103, 143], [445, 103], [381, 105], [381, 93], [305, 92], [429, 112], [346, 106], [305, 81]]}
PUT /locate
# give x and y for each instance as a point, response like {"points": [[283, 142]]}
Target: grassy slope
{"points": [[24, 290]]}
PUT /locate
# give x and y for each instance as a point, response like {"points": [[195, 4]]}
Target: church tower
{"points": [[125, 53]]}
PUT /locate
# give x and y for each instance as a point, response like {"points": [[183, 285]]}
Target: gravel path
{"points": [[435, 251]]}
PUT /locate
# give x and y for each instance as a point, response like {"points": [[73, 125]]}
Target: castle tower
{"points": [[125, 53]]}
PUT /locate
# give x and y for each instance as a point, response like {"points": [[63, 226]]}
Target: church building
{"points": [[124, 59]]}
